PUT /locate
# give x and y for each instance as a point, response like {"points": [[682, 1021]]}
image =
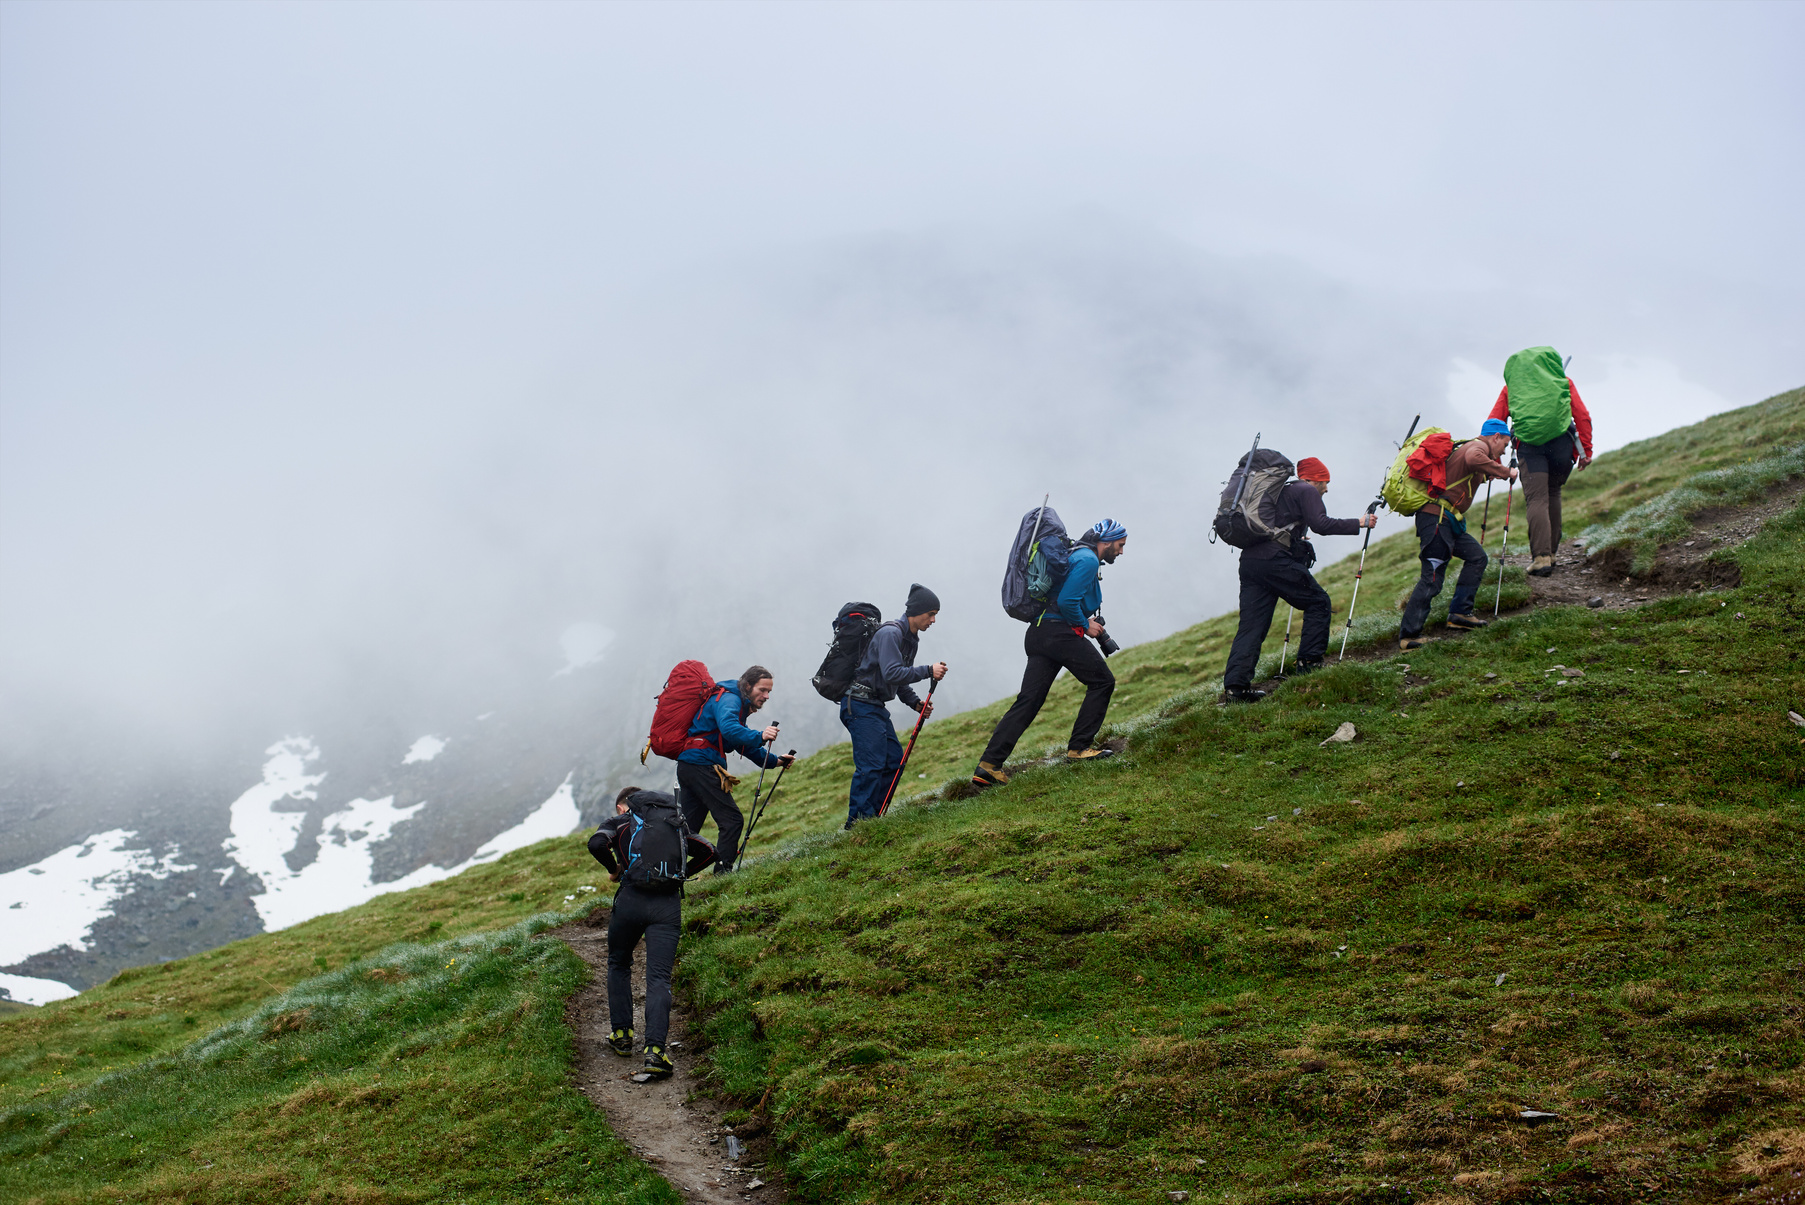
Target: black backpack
{"points": [[854, 626], [1248, 512], [657, 841]]}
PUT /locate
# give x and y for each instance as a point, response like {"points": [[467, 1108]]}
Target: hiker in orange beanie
{"points": [[1280, 568]]}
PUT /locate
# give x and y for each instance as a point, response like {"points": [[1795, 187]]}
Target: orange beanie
{"points": [[1312, 469]]}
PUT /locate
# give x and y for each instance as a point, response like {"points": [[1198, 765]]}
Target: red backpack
{"points": [[689, 687]]}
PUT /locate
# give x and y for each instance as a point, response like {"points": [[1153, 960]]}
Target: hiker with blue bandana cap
{"points": [[1056, 640], [1441, 533]]}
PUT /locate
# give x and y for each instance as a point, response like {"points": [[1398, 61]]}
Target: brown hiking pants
{"points": [[1546, 468]]}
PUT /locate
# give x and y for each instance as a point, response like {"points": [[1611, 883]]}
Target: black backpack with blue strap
{"points": [[657, 841]]}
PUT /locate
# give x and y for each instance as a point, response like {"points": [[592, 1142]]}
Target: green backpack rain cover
{"points": [[1541, 400]]}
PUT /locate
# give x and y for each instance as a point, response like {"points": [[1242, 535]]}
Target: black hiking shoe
{"points": [[621, 1043], [1243, 694], [1409, 643], [1467, 621], [987, 775], [1305, 667], [1088, 754], [658, 1064]]}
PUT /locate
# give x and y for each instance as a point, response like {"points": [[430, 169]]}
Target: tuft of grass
{"points": [[426, 1073], [1641, 530]]}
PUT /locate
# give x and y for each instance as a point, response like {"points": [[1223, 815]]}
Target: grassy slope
{"points": [[78, 1079], [813, 797], [422, 1081]]}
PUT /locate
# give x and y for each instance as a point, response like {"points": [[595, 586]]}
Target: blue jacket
{"points": [[889, 666], [1081, 594], [722, 722]]}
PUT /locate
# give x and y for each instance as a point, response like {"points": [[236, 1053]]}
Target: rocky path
{"points": [[677, 1129]]}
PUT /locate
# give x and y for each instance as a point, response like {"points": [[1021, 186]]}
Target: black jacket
{"points": [[1300, 506], [611, 852]]}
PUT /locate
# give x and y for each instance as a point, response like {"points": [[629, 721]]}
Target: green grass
{"points": [[1641, 530], [1240, 964], [426, 1073], [1105, 982]]}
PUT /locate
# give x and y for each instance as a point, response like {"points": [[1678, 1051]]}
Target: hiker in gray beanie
{"points": [[884, 674]]}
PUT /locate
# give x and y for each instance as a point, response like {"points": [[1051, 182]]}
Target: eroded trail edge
{"points": [[679, 1131]]}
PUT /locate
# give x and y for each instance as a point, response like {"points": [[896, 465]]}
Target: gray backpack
{"points": [[1248, 513]]}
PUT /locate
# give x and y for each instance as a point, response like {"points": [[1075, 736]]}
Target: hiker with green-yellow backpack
{"points": [[1552, 431], [1434, 478]]}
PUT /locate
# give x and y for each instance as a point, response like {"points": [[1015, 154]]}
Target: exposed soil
{"points": [[678, 1130]]}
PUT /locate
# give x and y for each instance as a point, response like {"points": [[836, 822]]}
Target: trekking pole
{"points": [[1290, 613], [1486, 515], [1372, 508], [758, 808], [897, 777], [1498, 597], [761, 768]]}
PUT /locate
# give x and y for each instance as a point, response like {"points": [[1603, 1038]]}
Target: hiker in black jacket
{"points": [[1270, 571], [657, 916], [885, 673]]}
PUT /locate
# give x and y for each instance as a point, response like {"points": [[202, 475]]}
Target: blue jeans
{"points": [[876, 754], [1441, 539]]}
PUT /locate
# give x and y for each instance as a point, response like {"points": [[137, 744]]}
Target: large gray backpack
{"points": [[1248, 513]]}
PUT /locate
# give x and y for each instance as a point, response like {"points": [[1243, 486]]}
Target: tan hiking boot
{"points": [[1542, 566], [1467, 621], [1409, 643], [1088, 754], [987, 775]]}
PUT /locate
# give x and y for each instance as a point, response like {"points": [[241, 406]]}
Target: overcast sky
{"points": [[353, 343]]}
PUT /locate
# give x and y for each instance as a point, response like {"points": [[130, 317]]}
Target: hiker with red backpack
{"points": [[1060, 614], [1552, 432], [649, 850], [712, 719], [1277, 565], [885, 672], [1449, 473]]}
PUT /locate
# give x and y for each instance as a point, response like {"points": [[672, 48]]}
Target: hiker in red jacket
{"points": [[1553, 436], [1441, 533]]}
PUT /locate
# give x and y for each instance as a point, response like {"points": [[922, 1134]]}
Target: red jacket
{"points": [[1581, 418]]}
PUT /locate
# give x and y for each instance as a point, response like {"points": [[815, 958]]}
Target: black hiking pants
{"points": [[701, 795], [657, 916], [1440, 539], [1263, 583], [1545, 468], [1052, 646]]}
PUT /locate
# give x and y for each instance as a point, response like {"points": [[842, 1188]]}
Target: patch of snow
{"points": [[583, 644], [553, 818], [26, 990], [62, 897], [424, 749], [341, 876]]}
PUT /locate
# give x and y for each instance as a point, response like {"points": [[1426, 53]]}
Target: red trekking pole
{"points": [[1498, 597], [891, 793]]}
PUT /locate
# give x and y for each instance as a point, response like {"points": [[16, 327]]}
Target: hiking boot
{"points": [[1542, 566], [1467, 621], [621, 1043], [1088, 754], [1305, 667], [1409, 643], [658, 1064], [1243, 694], [987, 775]]}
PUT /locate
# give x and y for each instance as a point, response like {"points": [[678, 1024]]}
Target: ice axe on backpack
{"points": [[897, 777], [758, 809], [1372, 508], [1243, 483]]}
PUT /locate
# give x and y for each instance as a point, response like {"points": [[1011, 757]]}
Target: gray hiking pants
{"points": [[1546, 468]]}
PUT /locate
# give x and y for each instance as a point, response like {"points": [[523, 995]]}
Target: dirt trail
{"points": [[675, 1128]]}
